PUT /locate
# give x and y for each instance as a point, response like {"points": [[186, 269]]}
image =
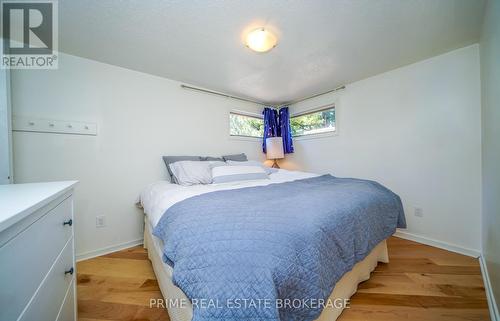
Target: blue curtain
{"points": [[278, 125], [271, 125], [286, 130]]}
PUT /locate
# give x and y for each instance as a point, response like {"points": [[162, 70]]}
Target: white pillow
{"points": [[225, 174], [193, 172], [268, 170]]}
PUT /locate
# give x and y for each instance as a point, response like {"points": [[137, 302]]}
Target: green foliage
{"points": [[312, 123], [242, 125]]}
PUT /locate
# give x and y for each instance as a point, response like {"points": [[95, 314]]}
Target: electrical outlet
{"points": [[418, 212], [100, 221]]}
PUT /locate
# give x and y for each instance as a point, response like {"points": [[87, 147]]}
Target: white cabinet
{"points": [[37, 275]]}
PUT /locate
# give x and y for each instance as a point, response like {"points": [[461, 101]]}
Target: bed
{"points": [[170, 206]]}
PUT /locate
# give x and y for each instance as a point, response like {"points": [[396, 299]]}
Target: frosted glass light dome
{"points": [[261, 40]]}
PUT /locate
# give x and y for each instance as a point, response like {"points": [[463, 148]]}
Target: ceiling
{"points": [[321, 43]]}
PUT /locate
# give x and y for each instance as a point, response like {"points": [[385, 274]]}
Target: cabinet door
{"points": [[5, 128]]}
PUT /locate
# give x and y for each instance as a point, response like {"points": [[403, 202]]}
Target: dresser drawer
{"points": [[50, 296], [27, 257], [67, 312]]}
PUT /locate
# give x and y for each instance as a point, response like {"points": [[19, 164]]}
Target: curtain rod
{"points": [[313, 96], [259, 102], [221, 94]]}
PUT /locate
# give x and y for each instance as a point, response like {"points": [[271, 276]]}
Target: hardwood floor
{"points": [[420, 283], [118, 286]]}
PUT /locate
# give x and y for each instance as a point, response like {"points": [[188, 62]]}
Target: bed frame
{"points": [[344, 289]]}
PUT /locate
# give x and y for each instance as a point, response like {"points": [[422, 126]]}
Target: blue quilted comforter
{"points": [[243, 254]]}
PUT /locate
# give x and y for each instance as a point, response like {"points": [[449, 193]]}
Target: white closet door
{"points": [[5, 129]]}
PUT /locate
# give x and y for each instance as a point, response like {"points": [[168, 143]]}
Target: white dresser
{"points": [[37, 260]]}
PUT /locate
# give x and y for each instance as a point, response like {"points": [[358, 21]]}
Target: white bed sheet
{"points": [[159, 196]]}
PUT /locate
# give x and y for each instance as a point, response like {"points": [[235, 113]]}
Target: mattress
{"points": [[343, 290]]}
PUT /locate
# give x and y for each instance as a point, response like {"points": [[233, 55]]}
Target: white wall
{"points": [[140, 118], [490, 85], [5, 130], [416, 130]]}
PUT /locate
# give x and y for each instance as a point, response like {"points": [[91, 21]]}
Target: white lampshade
{"points": [[274, 146]]}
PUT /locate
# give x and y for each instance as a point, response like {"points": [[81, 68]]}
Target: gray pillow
{"points": [[236, 157], [172, 159], [212, 159]]}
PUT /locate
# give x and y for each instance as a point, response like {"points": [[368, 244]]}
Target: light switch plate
{"points": [[418, 212], [100, 221]]}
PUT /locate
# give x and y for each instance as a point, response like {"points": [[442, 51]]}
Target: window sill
{"points": [[246, 138], [316, 136], [303, 137]]}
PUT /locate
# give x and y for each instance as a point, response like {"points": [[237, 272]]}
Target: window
{"points": [[314, 122], [245, 125]]}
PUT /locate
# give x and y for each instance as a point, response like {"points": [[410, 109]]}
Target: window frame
{"points": [[246, 114], [329, 133]]}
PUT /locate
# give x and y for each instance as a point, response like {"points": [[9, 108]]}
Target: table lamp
{"points": [[274, 147]]}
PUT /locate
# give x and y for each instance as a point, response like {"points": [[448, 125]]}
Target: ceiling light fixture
{"points": [[261, 40]]}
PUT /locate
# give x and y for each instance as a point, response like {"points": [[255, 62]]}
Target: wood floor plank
{"points": [[97, 281], [135, 253], [116, 311], [130, 296], [420, 283], [424, 301], [450, 279], [425, 265], [424, 284], [397, 313], [111, 267]]}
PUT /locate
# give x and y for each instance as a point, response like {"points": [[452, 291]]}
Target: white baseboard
{"points": [[440, 244], [107, 250], [492, 304]]}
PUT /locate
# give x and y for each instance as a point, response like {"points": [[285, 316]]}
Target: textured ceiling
{"points": [[321, 43]]}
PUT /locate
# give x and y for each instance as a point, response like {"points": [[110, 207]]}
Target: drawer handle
{"points": [[70, 271], [69, 222]]}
